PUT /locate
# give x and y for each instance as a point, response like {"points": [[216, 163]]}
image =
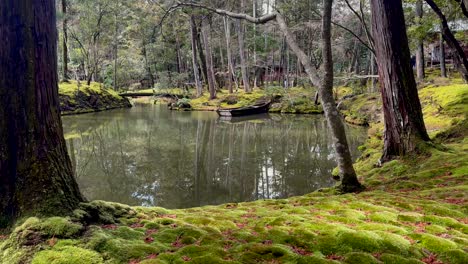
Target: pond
{"points": [[151, 156]]}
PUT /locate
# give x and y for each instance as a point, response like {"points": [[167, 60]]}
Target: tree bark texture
{"points": [[404, 124], [36, 176], [459, 58]]}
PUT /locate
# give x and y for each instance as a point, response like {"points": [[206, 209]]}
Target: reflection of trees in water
{"points": [[159, 158]]}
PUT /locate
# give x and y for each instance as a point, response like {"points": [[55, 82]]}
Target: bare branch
{"points": [[258, 20]]}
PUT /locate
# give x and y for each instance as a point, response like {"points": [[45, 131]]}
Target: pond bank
{"points": [[80, 98], [413, 211]]}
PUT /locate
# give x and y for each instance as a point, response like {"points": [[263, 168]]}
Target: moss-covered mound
{"points": [[80, 98]]}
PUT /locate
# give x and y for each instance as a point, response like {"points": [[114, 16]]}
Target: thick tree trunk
{"points": [[459, 58], [196, 71], [206, 29], [404, 124], [243, 60], [36, 176], [420, 48], [65, 41]]}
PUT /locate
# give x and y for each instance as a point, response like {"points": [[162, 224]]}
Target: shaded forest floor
{"points": [[413, 211]]}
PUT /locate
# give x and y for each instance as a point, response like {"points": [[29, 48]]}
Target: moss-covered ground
{"points": [[414, 210], [79, 98]]}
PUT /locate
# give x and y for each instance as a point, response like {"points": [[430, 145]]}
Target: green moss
{"points": [[434, 243], [67, 255], [395, 259], [360, 258], [366, 241]]}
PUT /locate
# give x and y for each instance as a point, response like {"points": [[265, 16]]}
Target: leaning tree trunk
{"points": [[459, 58], [206, 29], [349, 181], [404, 124], [420, 48], [36, 176]]}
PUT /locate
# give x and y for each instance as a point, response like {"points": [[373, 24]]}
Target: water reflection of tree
{"points": [[154, 157]]}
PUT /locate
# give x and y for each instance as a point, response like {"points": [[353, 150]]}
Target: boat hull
{"points": [[250, 110]]}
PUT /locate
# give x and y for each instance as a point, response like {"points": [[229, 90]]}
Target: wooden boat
{"points": [[259, 108]]}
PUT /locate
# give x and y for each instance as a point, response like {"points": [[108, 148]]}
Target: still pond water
{"points": [[151, 156]]}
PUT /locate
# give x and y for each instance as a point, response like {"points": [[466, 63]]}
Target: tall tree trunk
{"points": [[36, 176], [350, 182], [404, 124], [196, 72], [443, 68], [65, 41], [116, 50], [243, 60], [231, 75], [254, 7], [420, 48], [202, 56], [459, 58], [206, 29], [147, 65]]}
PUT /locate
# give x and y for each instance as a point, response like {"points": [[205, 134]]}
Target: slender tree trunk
{"points": [[36, 176], [459, 58], [443, 68], [243, 61], [231, 74], [206, 29], [147, 65], [202, 56], [65, 41], [420, 50], [404, 124], [350, 182], [196, 71], [116, 50], [254, 7]]}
